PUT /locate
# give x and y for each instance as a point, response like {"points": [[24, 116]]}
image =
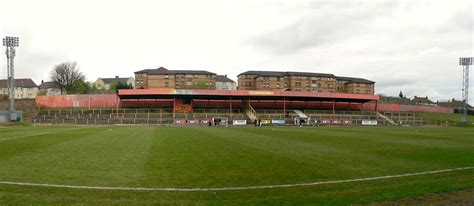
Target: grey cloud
{"points": [[325, 25], [36, 65]]}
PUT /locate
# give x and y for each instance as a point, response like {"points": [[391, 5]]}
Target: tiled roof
{"points": [[223, 78], [25, 83], [163, 70], [354, 80], [311, 74], [281, 74], [49, 85], [119, 80], [422, 100]]}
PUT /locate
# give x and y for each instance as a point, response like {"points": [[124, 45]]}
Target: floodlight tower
{"points": [[11, 43], [465, 62]]}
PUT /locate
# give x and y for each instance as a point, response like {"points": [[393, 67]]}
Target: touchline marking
{"points": [[234, 188], [32, 135]]}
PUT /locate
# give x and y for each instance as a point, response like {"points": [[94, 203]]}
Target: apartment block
{"points": [[303, 81], [177, 79]]}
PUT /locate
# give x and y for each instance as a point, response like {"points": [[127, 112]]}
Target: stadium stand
{"points": [[200, 116], [193, 107]]}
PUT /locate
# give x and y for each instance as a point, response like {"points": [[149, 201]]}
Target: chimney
{"points": [[116, 76], [42, 81], [225, 75]]}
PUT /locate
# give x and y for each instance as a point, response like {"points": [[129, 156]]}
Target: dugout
{"points": [[302, 120]]}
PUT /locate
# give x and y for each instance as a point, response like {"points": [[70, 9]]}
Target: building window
{"points": [[166, 77], [166, 84], [313, 81], [357, 91], [297, 84], [367, 91], [278, 86], [330, 85], [278, 78]]}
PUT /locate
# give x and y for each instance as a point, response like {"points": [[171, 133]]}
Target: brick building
{"points": [[177, 79], [303, 81]]}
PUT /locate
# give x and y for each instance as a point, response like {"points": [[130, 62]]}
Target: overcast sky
{"points": [[410, 45]]}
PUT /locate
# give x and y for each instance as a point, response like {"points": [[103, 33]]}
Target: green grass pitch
{"points": [[202, 157]]}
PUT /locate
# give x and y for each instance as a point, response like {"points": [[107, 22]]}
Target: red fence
{"points": [[112, 101], [406, 108], [78, 101]]}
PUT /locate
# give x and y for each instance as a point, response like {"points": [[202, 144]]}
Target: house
{"points": [[224, 83], [453, 103], [176, 79], [104, 83], [49, 89], [25, 88], [395, 100], [423, 101]]}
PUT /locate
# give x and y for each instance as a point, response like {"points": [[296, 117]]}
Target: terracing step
{"points": [[300, 113], [386, 118]]}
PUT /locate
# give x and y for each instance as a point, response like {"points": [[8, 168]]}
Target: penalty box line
{"points": [[235, 188]]}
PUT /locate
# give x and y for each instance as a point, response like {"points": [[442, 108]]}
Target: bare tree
{"points": [[65, 75]]}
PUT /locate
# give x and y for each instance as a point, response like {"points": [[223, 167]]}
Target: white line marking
{"points": [[234, 188], [32, 135]]}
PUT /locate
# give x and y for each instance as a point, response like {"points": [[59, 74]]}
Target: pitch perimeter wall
{"points": [[112, 101]]}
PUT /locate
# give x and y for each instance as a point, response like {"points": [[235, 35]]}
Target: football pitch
{"points": [[231, 165]]}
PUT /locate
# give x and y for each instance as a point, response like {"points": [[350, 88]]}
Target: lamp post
{"points": [[465, 62], [11, 43]]}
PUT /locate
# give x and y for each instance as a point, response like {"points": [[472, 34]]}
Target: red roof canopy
{"points": [[165, 93]]}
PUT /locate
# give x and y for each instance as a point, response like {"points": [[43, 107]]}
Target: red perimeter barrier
{"points": [[406, 108], [112, 101], [78, 101]]}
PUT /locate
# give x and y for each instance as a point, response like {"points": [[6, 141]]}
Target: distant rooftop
{"points": [[281, 74], [354, 80], [311, 74], [163, 70], [223, 78], [117, 78], [25, 83], [49, 85]]}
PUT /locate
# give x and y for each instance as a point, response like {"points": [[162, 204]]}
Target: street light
{"points": [[11, 43], [465, 62]]}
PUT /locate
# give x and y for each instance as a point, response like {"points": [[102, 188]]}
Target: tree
{"points": [[80, 87], [116, 85], [400, 94], [66, 75]]}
